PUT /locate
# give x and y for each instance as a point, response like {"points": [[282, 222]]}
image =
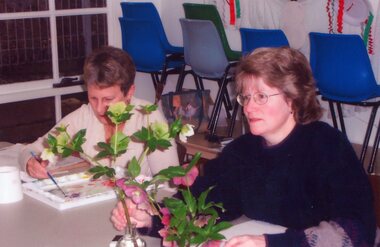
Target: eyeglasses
{"points": [[259, 98]]}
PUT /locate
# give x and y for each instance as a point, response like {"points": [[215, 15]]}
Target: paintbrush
{"points": [[48, 173]]}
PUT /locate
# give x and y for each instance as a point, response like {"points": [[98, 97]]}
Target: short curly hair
{"points": [[108, 66], [289, 71]]}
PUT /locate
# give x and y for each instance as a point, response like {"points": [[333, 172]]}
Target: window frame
{"points": [[21, 91]]}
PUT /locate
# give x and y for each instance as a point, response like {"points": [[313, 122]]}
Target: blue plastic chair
{"points": [[150, 49], [147, 10], [344, 75], [205, 54], [254, 38]]}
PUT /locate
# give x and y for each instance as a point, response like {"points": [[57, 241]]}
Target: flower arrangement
{"points": [[187, 221]]}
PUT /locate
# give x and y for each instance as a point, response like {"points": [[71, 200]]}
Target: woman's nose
{"points": [[251, 106]]}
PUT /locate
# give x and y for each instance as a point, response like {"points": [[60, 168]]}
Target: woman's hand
{"points": [[246, 241], [37, 169], [140, 217]]}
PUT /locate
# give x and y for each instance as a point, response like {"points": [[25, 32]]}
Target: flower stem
{"points": [[116, 141], [142, 156], [121, 197]]}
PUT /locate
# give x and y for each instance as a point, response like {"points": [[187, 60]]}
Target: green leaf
{"points": [[181, 227], [78, 140], [179, 212], [173, 171], [98, 175], [134, 168], [66, 152], [110, 173], [175, 127], [164, 144], [142, 135], [202, 198], [172, 202], [221, 226], [96, 169], [194, 161], [118, 143], [152, 144], [158, 179], [190, 201], [105, 150], [124, 117], [147, 109], [52, 141], [198, 239], [102, 154]]}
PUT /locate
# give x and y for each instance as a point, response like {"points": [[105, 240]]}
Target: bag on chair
{"points": [[191, 105]]}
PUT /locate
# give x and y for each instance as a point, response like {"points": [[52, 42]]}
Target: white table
{"points": [[34, 224]]}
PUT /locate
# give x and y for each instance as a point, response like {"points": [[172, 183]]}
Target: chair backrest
{"points": [[341, 67], [203, 48], [147, 10], [141, 40], [255, 38], [210, 12]]}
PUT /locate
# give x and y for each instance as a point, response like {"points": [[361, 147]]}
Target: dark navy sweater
{"points": [[313, 175]]}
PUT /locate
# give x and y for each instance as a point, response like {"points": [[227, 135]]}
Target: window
{"points": [[42, 41]]}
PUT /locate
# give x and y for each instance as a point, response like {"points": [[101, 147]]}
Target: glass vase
{"points": [[131, 238]]}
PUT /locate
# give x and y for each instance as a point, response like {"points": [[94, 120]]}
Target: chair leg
{"points": [[198, 82], [233, 119], [160, 86], [371, 165], [155, 80], [213, 113], [226, 100], [333, 116], [341, 119], [218, 104], [368, 133], [181, 79]]}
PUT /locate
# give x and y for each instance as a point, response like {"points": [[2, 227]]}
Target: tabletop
{"points": [[35, 224], [32, 223]]}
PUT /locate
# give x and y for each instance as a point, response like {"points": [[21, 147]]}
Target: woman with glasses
{"points": [[291, 169]]}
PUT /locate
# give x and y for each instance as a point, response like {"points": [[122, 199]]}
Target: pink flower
{"points": [[165, 216], [164, 233], [188, 179], [121, 183], [108, 183], [212, 243], [135, 193], [202, 220]]}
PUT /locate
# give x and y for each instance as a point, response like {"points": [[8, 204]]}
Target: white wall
{"points": [[171, 10]]}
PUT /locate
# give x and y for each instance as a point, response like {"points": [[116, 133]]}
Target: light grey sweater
{"points": [[84, 118]]}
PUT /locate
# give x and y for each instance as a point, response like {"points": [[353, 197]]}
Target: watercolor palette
{"points": [[79, 189]]}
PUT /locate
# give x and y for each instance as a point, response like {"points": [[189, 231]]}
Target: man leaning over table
{"points": [[291, 169], [109, 75]]}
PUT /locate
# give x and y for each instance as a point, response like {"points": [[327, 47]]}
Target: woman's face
{"points": [[273, 120], [101, 98]]}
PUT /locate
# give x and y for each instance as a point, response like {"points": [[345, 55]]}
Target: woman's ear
{"points": [[130, 93], [289, 102]]}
